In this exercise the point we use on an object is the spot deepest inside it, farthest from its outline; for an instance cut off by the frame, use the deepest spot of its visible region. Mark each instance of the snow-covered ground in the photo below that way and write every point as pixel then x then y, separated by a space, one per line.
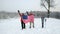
pixel 13 26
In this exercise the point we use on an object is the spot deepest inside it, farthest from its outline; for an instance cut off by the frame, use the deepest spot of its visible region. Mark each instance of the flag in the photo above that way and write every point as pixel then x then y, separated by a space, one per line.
pixel 29 19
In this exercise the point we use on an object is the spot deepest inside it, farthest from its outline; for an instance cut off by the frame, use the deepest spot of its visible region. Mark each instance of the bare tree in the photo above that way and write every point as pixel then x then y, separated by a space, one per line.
pixel 47 4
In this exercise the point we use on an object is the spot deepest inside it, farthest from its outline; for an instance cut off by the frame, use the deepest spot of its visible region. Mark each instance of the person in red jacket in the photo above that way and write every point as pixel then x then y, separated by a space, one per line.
pixel 31 18
pixel 22 23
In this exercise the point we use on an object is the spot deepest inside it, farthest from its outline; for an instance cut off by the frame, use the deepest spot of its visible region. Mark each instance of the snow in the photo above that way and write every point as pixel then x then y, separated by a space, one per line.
pixel 13 26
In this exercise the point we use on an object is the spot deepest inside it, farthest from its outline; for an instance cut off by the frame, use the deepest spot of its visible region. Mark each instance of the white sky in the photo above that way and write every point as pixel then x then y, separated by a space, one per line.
pixel 24 5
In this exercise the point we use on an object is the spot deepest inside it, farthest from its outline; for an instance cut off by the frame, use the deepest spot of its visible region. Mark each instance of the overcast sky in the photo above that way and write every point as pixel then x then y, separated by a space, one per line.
pixel 24 5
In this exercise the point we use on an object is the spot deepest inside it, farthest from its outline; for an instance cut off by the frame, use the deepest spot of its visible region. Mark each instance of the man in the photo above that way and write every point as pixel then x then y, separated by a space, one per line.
pixel 42 19
pixel 22 23
pixel 31 18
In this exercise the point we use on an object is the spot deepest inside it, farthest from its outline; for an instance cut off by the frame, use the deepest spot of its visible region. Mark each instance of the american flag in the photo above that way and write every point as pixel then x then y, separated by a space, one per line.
pixel 30 19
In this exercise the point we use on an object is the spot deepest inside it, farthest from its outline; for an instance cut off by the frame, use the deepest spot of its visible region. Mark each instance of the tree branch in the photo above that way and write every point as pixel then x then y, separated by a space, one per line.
pixel 45 6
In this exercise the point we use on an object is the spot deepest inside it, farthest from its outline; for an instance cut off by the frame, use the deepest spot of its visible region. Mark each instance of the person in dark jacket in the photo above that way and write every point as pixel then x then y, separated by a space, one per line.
pixel 22 23
pixel 42 19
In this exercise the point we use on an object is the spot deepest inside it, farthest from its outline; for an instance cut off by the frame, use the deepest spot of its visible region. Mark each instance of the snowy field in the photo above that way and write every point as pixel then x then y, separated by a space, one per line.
pixel 13 26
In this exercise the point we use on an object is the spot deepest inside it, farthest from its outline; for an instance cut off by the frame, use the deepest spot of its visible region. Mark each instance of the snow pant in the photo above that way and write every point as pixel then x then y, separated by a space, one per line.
pixel 31 23
pixel 23 25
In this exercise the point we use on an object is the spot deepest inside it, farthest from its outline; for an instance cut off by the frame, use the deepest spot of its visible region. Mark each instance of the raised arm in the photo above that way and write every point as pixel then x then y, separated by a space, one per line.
pixel 19 13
